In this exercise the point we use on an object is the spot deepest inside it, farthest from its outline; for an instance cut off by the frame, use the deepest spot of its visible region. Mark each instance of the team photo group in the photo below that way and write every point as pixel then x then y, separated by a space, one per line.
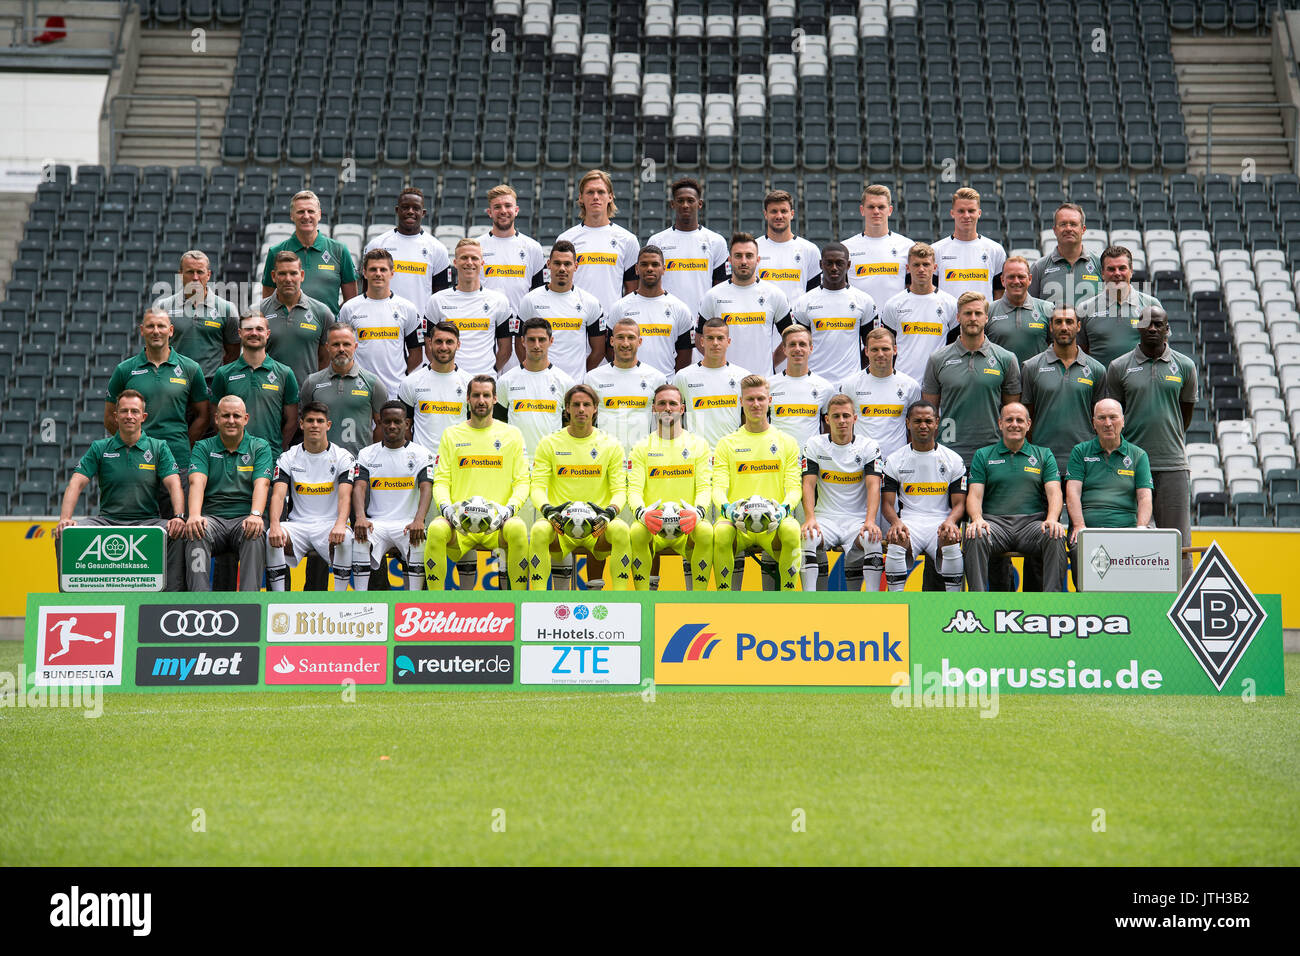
pixel 693 396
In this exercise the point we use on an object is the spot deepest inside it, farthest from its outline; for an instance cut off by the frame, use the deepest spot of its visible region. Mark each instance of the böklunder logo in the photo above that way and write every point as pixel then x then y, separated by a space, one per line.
pixel 454 622
pixel 326 665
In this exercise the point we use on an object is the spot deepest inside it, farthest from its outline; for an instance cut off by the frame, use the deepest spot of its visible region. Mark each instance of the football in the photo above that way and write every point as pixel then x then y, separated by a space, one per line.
pixel 476 515
pixel 758 515
pixel 672 514
pixel 578 519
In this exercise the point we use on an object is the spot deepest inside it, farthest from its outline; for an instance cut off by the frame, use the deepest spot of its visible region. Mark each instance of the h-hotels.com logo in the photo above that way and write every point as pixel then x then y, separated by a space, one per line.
pixel 1217 615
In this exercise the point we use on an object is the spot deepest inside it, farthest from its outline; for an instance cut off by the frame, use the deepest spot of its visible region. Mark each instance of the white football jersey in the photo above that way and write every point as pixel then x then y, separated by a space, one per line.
pixel 394 475
pixel 510 265
pixel 878 267
pixel 438 399
pixel 534 401
pixel 573 316
pixel 313 481
pixel 605 254
pixel 416 260
pixel 798 404
pixel 968 265
pixel 386 330
pixel 482 317
pixel 842 472
pixel 690 259
pixel 751 312
pixel 666 325
pixel 712 398
pixel 922 480
pixel 921 324
pixel 882 407
pixel 626 398
pixel 838 320
pixel 789 265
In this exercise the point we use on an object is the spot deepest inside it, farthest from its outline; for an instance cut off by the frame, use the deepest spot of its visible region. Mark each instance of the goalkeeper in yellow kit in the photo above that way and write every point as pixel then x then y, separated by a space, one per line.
pixel 482 457
pixel 670 465
pixel 756 459
pixel 579 464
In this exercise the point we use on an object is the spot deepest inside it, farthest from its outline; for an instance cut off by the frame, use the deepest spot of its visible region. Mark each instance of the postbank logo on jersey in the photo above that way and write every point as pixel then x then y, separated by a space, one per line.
pixel 441 408
pixel 672 471
pixel 780 275
pixel 313 487
pixel 480 461
pixel 880 411
pixel 402 483
pixel 966 275
pixel 597 259
pixel 504 272
pixel 705 402
pixel 877 269
pixel 534 405
pixel 472 323
pixel 379 333
pixel 835 324
pixel 565 324
pixel 921 489
pixel 410 268
pixel 625 401
pixel 579 471
pixel 795 411
pixel 765 467
pixel 745 318
pixel 649 329
pixel 841 477
pixel 687 265
pixel 922 328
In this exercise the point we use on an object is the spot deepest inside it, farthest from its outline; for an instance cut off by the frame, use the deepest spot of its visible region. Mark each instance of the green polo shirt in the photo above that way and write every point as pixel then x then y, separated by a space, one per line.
pixel 229 492
pixel 354 401
pixel 1056 280
pixel 266 390
pixel 1061 398
pixel 203 330
pixel 970 385
pixel 1108 328
pixel 1110 482
pixel 1020 329
pixel 326 265
pixel 1151 391
pixel 130 477
pixel 297 333
pixel 1014 480
pixel 169 390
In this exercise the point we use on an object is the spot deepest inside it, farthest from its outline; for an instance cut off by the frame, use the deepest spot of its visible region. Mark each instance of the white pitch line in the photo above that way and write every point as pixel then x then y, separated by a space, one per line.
pixel 470 698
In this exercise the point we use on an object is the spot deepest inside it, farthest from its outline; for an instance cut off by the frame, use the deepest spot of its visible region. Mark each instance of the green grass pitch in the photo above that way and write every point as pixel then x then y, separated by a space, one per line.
pixel 577 778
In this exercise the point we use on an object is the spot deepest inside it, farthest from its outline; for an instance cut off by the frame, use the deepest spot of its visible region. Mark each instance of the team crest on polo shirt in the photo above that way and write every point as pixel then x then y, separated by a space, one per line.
pixel 179 373
pixel 1033 460
pixel 1128 462
pixel 593 454
pixel 148 456
pixel 496 444
pixel 270 377
pixel 245 458
pixel 686 453
pixel 772 448
pixel 992 361
pixel 325 257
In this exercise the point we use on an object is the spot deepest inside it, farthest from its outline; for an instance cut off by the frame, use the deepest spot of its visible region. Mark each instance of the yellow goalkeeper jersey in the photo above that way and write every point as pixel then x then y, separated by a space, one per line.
pixel 579 469
pixel 765 463
pixel 675 469
pixel 481 461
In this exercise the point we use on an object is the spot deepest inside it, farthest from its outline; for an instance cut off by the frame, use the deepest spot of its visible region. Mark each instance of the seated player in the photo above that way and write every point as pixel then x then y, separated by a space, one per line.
pixel 579 464
pixel 316 476
pixel 924 499
pixel 483 458
pixel 841 496
pixel 756 461
pixel 393 485
pixel 670 465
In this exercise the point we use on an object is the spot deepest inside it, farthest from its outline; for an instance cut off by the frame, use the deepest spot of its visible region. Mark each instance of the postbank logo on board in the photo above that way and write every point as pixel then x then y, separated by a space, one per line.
pixel 772 645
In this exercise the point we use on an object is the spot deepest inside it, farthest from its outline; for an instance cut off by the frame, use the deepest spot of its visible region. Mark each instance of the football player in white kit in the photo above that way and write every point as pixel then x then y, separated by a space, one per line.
pixel 838 315
pixel 625 387
pixel 513 264
pixel 881 394
pixel 877 254
pixel 317 477
pixel 434 394
pixel 530 396
pixel 967 261
pixel 790 262
pixel 421 265
pixel 390 329
pixel 392 487
pixel 483 316
pixel 711 387
pixel 607 253
pixel 665 321
pixel 576 317
pixel 799 397
pixel 751 308
pixel 921 316
pixel 695 258
pixel 924 500
pixel 841 484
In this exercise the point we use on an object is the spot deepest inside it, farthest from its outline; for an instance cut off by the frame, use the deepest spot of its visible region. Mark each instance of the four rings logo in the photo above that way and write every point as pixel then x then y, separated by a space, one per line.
pixel 172 623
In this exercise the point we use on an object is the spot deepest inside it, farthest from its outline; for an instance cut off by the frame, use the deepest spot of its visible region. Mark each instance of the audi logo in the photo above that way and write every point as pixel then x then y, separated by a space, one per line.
pixel 199 623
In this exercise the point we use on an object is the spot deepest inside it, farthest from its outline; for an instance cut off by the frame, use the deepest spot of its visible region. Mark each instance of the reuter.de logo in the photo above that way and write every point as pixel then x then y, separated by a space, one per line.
pixel 454 622
pixel 1217 615
pixel 79 645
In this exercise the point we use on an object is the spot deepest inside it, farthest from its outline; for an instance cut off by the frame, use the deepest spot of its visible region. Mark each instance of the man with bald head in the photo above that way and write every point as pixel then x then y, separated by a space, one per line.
pixel 1013 503
pixel 230 478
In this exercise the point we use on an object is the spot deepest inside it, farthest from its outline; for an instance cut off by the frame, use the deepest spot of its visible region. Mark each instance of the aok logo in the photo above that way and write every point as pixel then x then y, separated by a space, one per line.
pixel 114 548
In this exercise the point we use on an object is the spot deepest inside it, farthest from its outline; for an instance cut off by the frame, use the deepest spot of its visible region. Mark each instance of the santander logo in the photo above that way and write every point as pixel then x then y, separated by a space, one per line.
pixel 455 622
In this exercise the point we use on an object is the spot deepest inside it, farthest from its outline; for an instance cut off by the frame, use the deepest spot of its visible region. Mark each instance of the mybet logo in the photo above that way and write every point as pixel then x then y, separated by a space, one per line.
pixel 115 547
pixel 75 909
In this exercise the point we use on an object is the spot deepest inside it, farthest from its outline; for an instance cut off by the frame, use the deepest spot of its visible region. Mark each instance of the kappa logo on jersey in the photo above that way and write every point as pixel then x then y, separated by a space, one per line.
pixel 504 272
pixel 1217 615
pixel 877 269
pixel 480 461
pixel 780 275
pixel 597 259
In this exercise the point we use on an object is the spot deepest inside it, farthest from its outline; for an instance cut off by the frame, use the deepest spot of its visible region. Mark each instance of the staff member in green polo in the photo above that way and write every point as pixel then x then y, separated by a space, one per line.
pixel 1108 323
pixel 329 271
pixel 1109 483
pixel 296 321
pixel 229 484
pixel 353 395
pixel 1157 386
pixel 1059 387
pixel 1018 321
pixel 132 470
pixel 1068 274
pixel 204 323
pixel 269 389
pixel 1013 503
